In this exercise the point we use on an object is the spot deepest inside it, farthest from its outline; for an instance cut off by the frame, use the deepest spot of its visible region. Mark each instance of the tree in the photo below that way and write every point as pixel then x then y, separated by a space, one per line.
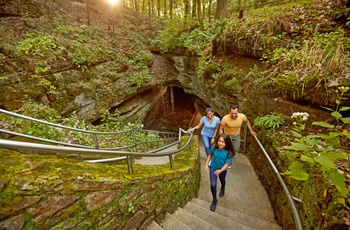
pixel 171 8
pixel 87 3
pixel 137 15
pixel 221 9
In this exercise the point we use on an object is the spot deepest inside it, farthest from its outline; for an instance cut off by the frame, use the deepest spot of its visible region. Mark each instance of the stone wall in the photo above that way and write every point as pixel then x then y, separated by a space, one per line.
pixel 55 191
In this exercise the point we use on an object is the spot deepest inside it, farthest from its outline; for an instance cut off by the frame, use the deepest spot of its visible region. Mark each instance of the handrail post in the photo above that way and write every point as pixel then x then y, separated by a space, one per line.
pixel 171 160
pixel 145 135
pixel 134 138
pixel 96 141
pixel 131 170
pixel 245 138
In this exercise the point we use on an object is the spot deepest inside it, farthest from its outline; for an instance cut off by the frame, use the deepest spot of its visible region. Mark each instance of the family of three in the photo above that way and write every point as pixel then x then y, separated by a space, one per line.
pixel 221 139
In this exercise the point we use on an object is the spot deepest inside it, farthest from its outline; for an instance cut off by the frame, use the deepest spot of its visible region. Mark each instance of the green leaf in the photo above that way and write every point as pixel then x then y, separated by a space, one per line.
pixel 298 147
pixel 336 114
pixel 327 108
pixel 344 108
pixel 307 159
pixel 333 156
pixel 346 120
pixel 297 135
pixel 311 141
pixel 296 171
pixel 323 124
pixel 346 133
pixel 325 162
pixel 334 142
pixel 339 182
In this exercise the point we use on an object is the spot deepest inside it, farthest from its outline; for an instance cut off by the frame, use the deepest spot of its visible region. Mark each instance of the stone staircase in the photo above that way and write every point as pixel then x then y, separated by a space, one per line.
pixel 244 206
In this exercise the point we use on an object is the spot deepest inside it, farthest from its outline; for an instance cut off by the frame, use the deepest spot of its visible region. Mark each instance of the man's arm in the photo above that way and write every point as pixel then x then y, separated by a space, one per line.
pixel 221 129
pixel 250 128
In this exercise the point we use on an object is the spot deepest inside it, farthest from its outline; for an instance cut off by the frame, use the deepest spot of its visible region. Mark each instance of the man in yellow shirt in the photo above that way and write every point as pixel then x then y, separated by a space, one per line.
pixel 231 124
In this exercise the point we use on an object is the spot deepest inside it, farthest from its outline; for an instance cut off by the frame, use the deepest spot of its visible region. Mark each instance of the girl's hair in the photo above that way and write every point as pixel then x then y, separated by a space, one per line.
pixel 208 110
pixel 228 144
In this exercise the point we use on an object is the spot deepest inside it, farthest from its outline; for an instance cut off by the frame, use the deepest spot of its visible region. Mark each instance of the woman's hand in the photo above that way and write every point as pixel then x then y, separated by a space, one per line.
pixel 206 168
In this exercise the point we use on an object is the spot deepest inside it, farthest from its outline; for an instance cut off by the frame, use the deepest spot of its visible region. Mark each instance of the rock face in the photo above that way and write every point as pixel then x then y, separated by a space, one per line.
pixel 100 69
pixel 47 191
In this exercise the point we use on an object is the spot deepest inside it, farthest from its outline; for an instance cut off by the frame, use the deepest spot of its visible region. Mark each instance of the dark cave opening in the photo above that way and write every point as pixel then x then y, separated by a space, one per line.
pixel 176 109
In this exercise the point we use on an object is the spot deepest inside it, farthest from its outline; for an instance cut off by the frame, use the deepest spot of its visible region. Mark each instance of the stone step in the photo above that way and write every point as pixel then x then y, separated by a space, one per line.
pixel 171 223
pixel 218 220
pixel 237 216
pixel 193 221
pixel 154 226
pixel 245 205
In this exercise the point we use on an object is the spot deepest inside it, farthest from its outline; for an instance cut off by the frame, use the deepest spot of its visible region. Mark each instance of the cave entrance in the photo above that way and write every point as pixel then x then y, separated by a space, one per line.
pixel 175 109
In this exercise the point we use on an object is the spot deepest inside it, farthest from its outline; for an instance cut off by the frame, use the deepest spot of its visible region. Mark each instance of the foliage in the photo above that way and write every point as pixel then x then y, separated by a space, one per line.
pixel 168 39
pixel 270 121
pixel 140 78
pixel 142 60
pixel 308 62
pixel 80 54
pixel 318 155
pixel 43 50
pixel 336 113
pixel 39 45
pixel 299 124
pixel 125 134
pixel 195 38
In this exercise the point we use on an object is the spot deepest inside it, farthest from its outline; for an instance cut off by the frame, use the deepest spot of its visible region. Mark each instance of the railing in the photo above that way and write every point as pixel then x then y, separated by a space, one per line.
pixel 168 138
pixel 165 137
pixel 290 198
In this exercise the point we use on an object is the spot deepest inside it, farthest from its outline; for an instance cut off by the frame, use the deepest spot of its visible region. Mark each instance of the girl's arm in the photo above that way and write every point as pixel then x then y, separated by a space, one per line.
pixel 206 167
pixel 217 172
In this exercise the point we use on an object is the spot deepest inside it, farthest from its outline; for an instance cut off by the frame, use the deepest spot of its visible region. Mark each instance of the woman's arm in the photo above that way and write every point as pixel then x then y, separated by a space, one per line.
pixel 200 124
pixel 216 133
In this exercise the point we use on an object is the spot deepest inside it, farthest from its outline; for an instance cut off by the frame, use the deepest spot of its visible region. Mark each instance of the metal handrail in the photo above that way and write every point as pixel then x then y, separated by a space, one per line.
pixel 290 198
pixel 80 149
pixel 94 133
pixel 19 145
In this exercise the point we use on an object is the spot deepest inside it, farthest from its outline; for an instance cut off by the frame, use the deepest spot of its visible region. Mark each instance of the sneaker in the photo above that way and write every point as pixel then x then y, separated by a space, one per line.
pixel 222 193
pixel 213 205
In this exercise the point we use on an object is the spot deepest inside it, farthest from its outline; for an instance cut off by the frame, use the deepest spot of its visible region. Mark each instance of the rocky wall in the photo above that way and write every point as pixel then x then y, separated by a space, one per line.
pixel 56 191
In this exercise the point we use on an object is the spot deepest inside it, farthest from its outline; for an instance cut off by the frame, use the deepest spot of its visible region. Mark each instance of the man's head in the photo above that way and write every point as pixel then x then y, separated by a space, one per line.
pixel 234 111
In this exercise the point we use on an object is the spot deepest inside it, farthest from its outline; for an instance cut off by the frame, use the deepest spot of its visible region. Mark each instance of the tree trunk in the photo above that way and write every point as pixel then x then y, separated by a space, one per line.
pixel 152 7
pixel 194 8
pixel 209 10
pixel 171 8
pixel 165 8
pixel 158 8
pixel 187 8
pixel 88 12
pixel 240 7
pixel 199 11
pixel 221 9
pixel 143 6
pixel 137 15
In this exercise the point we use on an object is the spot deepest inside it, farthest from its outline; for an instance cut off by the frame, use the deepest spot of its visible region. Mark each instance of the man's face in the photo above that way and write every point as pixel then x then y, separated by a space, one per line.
pixel 234 113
